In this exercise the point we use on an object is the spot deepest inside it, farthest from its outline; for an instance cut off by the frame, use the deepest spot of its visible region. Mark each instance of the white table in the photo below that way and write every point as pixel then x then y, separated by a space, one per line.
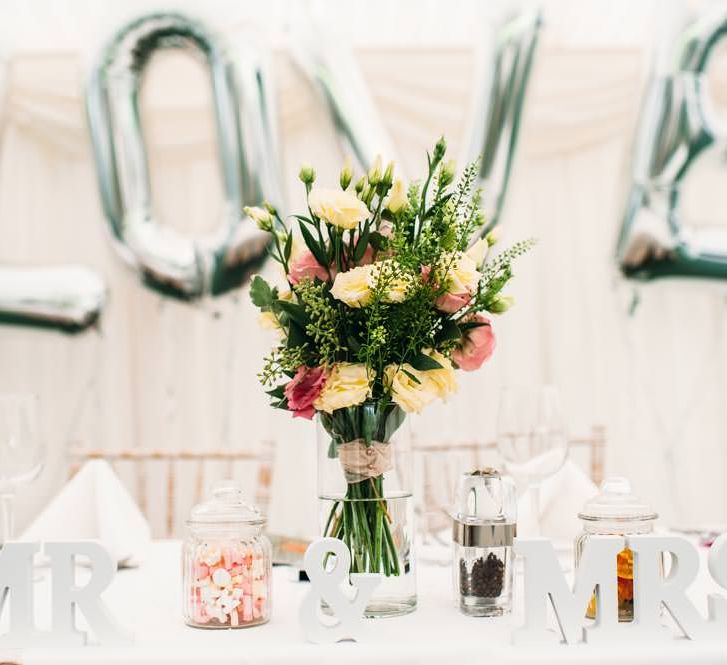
pixel 147 602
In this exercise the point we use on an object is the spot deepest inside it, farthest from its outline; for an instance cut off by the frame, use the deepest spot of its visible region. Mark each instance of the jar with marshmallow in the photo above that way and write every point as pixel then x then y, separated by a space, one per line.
pixel 227 563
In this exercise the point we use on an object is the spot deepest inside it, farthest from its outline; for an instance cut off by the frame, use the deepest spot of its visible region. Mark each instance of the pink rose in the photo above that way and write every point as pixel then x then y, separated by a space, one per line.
pixel 306 267
pixel 303 389
pixel 477 346
pixel 448 302
pixel 452 302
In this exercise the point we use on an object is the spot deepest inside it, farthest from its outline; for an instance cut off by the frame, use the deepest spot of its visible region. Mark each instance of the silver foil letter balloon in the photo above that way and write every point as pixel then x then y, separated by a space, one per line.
pixel 503 72
pixel 331 68
pixel 677 125
pixel 167 261
pixel 69 297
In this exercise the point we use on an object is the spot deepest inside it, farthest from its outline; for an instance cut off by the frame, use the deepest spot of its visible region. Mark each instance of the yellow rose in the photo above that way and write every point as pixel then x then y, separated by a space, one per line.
pixel 405 391
pixel 353 286
pixel 397 288
pixel 348 384
pixel 442 379
pixel 397 196
pixel 337 207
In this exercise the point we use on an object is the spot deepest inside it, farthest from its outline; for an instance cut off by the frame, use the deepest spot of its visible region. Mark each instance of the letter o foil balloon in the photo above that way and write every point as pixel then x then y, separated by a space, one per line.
pixel 677 125
pixel 167 261
pixel 69 298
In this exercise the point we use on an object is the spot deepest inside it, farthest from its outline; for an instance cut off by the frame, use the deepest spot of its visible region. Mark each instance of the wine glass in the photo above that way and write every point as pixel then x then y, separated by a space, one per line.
pixel 21 452
pixel 531 437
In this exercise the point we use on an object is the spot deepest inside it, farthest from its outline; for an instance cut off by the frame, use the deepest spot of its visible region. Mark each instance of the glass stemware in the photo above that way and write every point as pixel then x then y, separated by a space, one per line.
pixel 531 437
pixel 21 452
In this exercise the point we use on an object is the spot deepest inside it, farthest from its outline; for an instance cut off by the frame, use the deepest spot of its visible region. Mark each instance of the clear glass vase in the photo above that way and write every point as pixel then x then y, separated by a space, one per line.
pixel 364 488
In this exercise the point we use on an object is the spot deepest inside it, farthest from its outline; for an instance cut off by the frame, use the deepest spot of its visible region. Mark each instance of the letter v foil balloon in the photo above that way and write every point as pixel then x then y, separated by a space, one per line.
pixel 677 125
pixel 167 261
pixel 504 63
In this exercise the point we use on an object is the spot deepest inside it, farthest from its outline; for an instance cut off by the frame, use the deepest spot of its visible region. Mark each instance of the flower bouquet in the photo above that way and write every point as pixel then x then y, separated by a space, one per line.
pixel 387 298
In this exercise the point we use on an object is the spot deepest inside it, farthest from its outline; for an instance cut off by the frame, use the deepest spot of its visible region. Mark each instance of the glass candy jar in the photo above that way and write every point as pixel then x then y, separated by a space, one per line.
pixel 227 563
pixel 615 511
pixel 483 530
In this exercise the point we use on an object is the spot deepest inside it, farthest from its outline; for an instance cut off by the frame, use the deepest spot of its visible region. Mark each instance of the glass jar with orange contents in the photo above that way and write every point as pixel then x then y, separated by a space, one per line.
pixel 616 511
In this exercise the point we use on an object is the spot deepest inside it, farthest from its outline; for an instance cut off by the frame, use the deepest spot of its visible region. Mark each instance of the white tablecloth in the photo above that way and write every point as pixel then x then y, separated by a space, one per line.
pixel 147 602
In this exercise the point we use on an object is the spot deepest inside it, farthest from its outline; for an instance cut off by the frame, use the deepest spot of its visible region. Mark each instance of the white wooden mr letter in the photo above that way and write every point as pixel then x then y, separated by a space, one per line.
pixel 16 583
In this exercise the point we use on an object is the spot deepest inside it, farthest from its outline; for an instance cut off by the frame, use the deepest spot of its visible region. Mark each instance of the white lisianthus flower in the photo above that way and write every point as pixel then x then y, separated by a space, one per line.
pixel 443 379
pixel 348 384
pixel 342 209
pixel 463 276
pixel 353 286
pixel 397 288
pixel 478 251
pixel 268 321
pixel 411 396
pixel 398 198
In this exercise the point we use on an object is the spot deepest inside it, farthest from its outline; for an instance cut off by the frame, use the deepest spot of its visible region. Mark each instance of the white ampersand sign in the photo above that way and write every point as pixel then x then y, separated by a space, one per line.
pixel 331 585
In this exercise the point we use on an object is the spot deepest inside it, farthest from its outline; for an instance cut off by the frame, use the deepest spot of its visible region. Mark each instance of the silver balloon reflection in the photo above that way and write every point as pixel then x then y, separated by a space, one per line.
pixel 677 125
pixel 69 298
pixel 332 69
pixel 503 73
pixel 167 261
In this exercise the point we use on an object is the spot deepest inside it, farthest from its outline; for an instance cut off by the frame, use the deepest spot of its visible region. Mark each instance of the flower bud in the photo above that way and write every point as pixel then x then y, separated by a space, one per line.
pixel 439 149
pixel 493 236
pixel 501 304
pixel 446 173
pixel 388 178
pixel 269 207
pixel 346 174
pixel 360 184
pixel 375 171
pixel 306 174
pixel 397 197
pixel 260 216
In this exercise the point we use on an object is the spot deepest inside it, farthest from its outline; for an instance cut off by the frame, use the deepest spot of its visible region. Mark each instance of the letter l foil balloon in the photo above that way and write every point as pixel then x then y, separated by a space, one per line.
pixel 167 261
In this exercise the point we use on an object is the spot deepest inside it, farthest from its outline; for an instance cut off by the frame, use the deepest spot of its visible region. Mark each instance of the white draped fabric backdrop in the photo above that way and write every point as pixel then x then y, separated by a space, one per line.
pixel 160 373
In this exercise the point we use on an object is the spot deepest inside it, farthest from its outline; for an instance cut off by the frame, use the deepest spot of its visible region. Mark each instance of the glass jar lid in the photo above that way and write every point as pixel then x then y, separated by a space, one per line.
pixel 484 496
pixel 615 501
pixel 226 506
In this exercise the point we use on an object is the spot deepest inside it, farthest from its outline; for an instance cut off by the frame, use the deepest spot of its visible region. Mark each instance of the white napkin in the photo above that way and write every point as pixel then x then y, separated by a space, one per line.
pixel 94 505
pixel 562 496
